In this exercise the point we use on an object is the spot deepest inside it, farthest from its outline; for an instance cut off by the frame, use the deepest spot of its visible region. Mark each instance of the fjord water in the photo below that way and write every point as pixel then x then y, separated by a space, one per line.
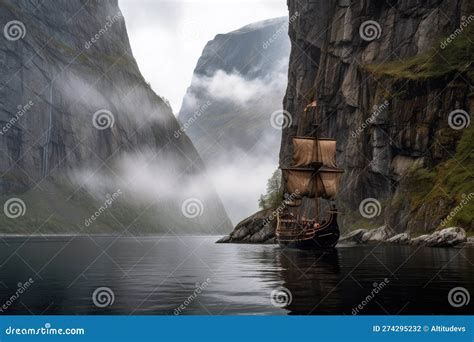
pixel 157 275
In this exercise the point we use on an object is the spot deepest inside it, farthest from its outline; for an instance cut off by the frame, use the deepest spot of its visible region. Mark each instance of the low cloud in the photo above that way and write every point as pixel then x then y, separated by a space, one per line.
pixel 240 180
pixel 236 88
pixel 147 176
pixel 233 87
pixel 240 163
pixel 132 102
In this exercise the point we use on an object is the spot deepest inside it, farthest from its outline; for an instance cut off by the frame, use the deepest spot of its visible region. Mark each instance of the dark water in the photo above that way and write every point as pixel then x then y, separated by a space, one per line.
pixel 156 275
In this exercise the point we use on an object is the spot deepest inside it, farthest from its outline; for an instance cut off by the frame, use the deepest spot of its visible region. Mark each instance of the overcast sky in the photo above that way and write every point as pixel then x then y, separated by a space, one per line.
pixel 167 36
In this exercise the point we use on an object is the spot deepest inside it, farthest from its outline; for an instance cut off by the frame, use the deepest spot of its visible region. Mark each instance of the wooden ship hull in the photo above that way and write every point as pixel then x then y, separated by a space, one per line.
pixel 313 175
pixel 291 234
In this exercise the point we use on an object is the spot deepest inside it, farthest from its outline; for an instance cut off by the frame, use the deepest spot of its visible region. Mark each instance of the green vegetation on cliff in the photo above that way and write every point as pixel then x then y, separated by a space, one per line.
pixel 274 195
pixel 457 56
pixel 450 182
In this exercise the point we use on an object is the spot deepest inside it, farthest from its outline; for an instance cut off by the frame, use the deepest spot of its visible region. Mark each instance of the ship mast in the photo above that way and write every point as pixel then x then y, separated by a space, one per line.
pixel 315 135
pixel 314 172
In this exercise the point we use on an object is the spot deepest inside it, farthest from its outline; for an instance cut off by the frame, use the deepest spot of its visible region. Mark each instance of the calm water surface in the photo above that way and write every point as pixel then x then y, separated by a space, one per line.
pixel 156 275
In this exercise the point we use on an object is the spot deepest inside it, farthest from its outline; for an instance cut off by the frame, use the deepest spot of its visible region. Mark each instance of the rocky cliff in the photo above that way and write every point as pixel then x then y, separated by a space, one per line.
pixel 78 122
pixel 393 81
pixel 239 81
pixel 385 88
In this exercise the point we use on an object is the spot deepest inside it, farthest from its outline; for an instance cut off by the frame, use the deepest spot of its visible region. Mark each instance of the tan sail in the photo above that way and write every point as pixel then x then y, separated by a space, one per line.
pixel 313 175
pixel 311 150
pixel 300 182
pixel 328 183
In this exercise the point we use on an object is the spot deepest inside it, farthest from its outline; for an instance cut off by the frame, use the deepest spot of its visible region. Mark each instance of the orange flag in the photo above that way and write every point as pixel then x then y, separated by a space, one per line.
pixel 312 104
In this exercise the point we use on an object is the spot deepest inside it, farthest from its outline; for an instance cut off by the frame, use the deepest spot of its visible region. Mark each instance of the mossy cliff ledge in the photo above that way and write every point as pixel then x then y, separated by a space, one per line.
pixel 387 100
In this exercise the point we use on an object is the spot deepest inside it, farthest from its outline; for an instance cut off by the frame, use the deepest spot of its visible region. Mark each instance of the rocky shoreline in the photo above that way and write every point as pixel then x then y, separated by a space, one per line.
pixel 448 237
pixel 260 229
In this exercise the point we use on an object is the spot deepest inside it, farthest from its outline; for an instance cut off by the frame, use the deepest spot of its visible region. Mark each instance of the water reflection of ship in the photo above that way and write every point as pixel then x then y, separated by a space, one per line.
pixel 312 278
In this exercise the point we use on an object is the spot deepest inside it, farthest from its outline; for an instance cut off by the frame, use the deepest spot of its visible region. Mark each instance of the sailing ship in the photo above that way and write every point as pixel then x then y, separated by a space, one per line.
pixel 313 176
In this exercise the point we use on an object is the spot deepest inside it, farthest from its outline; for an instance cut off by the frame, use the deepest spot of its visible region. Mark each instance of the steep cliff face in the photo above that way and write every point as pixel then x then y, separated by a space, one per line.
pixel 393 82
pixel 239 81
pixel 73 104
pixel 385 93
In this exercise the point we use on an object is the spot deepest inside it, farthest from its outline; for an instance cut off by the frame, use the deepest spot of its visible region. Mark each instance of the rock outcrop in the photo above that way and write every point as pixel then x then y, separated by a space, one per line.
pixel 377 235
pixel 448 237
pixel 353 236
pixel 402 238
pixel 258 228
pixel 72 98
